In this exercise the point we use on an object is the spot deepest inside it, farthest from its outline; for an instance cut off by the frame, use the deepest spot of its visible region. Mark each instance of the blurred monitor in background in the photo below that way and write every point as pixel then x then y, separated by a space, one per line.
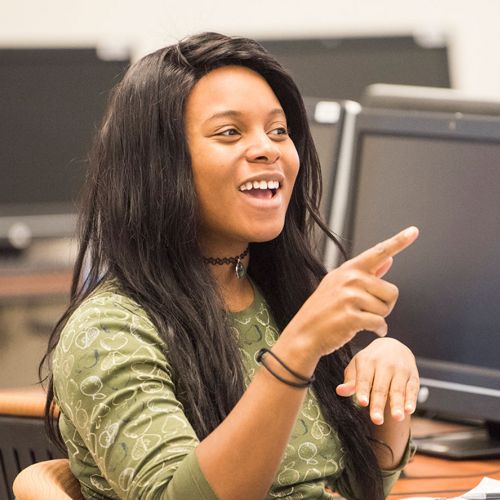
pixel 51 101
pixel 441 172
pixel 341 68
pixel 326 121
pixel 390 96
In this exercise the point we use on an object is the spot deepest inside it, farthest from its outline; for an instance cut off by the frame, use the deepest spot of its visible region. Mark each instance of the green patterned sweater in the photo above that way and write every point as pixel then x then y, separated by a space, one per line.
pixel 125 430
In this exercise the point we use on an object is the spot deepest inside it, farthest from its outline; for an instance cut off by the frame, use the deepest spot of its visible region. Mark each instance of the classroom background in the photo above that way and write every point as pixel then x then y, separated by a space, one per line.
pixel 432 155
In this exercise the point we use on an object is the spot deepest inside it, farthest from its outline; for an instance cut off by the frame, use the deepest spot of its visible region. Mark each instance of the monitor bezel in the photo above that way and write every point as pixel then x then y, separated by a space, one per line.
pixel 420 98
pixel 333 120
pixel 337 119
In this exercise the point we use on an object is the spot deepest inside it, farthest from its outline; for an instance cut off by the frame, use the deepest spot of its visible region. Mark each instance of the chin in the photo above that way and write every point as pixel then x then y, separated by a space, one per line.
pixel 266 235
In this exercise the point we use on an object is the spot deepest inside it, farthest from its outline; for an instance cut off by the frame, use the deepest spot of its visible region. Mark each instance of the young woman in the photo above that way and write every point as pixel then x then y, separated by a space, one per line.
pixel 205 353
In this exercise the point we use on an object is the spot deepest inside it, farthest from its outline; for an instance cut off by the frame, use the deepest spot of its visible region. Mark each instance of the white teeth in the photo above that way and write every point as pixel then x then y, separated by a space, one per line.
pixel 259 185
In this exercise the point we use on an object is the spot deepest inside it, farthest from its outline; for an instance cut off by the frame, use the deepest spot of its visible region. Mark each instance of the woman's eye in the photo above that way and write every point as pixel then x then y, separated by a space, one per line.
pixel 280 131
pixel 228 132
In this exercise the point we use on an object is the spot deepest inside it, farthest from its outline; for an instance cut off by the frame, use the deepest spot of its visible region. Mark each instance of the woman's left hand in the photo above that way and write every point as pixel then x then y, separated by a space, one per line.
pixel 383 373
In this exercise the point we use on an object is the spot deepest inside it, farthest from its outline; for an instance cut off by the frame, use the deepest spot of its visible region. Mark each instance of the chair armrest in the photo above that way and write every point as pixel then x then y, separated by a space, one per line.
pixel 50 479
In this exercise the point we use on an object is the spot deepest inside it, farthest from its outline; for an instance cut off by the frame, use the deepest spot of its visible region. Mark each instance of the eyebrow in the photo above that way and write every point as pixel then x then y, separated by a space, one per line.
pixel 230 113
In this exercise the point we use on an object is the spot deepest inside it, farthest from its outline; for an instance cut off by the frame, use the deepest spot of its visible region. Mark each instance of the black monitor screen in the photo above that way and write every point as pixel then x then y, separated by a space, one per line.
pixel 51 102
pixel 449 280
pixel 341 68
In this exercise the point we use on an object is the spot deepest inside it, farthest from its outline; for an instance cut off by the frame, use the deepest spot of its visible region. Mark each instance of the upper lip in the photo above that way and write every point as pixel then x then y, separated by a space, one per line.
pixel 265 176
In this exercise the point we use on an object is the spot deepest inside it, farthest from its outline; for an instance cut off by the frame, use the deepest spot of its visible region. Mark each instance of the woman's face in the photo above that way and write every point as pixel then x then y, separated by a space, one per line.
pixel 244 162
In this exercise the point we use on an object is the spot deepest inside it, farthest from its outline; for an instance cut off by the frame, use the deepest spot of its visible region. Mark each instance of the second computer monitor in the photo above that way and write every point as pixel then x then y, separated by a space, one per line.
pixel 440 172
pixel 342 67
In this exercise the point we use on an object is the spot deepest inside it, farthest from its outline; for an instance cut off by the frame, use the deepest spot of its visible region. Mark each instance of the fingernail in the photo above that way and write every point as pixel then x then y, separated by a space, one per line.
pixel 398 414
pixel 376 415
pixel 410 231
pixel 410 408
pixel 363 399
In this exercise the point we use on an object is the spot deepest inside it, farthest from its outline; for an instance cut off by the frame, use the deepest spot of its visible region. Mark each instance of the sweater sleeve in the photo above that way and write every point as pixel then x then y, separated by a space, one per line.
pixel 389 477
pixel 125 430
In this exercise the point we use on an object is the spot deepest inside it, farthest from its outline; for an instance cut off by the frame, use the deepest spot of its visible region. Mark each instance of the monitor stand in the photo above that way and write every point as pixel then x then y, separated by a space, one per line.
pixel 478 442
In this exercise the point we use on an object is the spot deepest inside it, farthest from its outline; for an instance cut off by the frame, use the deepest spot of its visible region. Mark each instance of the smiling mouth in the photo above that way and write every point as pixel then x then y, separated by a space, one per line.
pixel 262 190
pixel 262 194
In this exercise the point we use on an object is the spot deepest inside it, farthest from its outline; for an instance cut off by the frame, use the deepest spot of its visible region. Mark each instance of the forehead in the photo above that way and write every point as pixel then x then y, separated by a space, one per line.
pixel 230 88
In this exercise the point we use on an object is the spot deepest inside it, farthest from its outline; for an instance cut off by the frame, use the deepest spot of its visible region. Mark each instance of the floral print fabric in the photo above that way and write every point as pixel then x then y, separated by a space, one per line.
pixel 126 432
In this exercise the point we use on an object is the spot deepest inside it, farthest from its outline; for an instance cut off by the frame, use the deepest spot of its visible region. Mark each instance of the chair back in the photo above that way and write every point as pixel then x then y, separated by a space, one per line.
pixel 22 435
pixel 49 480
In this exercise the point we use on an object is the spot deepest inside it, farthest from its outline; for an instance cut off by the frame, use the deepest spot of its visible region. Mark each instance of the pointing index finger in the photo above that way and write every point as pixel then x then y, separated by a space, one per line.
pixel 371 259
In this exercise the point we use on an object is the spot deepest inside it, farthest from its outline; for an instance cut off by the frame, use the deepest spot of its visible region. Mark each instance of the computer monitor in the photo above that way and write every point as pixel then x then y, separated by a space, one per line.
pixel 51 102
pixel 440 172
pixel 327 119
pixel 342 67
pixel 390 96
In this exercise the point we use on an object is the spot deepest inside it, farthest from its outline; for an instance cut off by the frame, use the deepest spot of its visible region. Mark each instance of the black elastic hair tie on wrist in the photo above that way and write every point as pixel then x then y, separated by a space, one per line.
pixel 306 381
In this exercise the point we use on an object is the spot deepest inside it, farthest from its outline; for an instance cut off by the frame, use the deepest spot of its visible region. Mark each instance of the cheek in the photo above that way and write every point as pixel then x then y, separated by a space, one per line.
pixel 204 177
pixel 293 164
pixel 213 168
pixel 213 191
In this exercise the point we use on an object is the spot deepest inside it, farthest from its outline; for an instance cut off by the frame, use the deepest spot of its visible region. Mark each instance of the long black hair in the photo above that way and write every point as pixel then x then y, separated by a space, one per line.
pixel 139 225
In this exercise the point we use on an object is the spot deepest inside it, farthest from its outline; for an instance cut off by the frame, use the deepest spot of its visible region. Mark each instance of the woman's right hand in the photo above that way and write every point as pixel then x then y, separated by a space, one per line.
pixel 351 298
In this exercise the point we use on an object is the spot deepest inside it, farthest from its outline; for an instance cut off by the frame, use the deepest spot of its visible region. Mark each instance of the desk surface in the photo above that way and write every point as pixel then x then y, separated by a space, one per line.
pixel 430 476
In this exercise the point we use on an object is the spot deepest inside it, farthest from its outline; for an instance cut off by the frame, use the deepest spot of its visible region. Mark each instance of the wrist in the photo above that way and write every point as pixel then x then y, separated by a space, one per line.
pixel 294 378
pixel 297 351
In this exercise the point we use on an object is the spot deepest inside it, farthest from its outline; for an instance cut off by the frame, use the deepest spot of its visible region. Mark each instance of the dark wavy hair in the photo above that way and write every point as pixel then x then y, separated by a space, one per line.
pixel 139 225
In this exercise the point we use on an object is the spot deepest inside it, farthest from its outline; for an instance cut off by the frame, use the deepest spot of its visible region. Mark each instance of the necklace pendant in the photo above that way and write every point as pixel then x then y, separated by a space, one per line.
pixel 240 270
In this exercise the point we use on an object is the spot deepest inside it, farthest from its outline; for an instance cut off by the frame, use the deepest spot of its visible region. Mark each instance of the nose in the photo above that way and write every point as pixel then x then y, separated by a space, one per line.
pixel 263 150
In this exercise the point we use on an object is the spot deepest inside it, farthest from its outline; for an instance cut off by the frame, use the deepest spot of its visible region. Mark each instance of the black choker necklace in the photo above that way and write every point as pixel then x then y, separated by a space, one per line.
pixel 239 268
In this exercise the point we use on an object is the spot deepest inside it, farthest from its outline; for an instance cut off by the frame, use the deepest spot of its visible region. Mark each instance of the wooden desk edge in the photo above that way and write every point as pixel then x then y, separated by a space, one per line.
pixel 23 401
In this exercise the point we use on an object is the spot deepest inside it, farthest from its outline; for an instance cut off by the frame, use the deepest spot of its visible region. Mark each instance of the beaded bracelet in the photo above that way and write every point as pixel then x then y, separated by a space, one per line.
pixel 306 381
